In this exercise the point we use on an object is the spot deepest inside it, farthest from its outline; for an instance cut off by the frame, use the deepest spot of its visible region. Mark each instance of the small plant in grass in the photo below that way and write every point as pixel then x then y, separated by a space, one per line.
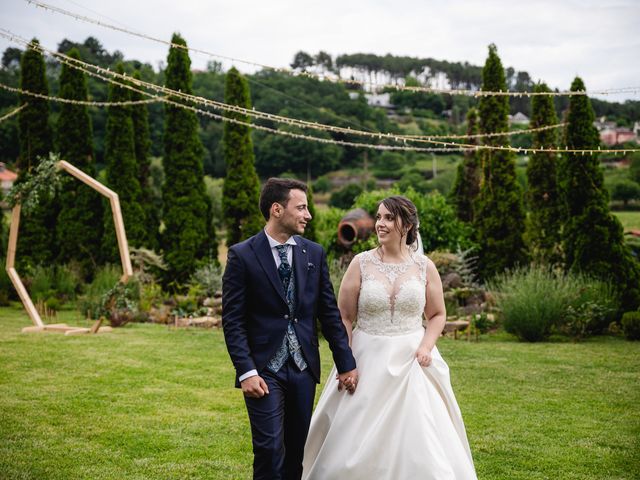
pixel 581 318
pixel 119 305
pixel 480 323
pixel 535 300
pixel 631 325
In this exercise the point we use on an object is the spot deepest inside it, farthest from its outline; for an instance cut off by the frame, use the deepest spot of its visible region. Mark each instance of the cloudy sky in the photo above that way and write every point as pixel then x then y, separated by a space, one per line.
pixel 554 40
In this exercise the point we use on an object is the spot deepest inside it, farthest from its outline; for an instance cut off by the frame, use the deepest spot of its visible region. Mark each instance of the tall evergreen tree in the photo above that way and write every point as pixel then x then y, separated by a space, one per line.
pixel 499 216
pixel 79 227
pixel 241 192
pixel 545 218
pixel 122 173
pixel 188 237
pixel 467 184
pixel 34 130
pixel 592 237
pixel 36 242
pixel 140 117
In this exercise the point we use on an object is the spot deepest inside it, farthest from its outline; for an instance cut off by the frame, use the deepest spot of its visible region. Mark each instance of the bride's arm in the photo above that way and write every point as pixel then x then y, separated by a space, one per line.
pixel 435 312
pixel 348 295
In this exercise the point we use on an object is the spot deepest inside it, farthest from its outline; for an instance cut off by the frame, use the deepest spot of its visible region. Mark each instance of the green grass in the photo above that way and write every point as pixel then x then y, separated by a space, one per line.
pixel 147 402
pixel 630 220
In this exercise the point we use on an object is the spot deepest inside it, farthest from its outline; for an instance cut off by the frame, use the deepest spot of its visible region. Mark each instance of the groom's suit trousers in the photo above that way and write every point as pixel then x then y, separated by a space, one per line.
pixel 278 439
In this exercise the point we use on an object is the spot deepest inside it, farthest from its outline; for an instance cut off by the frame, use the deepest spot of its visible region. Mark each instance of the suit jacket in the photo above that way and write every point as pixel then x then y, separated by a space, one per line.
pixel 255 314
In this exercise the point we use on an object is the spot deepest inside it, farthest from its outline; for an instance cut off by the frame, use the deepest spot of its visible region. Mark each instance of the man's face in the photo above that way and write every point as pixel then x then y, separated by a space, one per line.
pixel 294 217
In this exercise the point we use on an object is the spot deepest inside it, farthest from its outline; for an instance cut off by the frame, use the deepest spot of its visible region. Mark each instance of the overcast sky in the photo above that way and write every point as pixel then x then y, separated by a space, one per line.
pixel 554 40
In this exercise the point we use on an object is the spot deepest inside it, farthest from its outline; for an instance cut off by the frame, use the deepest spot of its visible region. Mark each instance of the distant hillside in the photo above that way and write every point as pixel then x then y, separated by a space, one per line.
pixel 299 97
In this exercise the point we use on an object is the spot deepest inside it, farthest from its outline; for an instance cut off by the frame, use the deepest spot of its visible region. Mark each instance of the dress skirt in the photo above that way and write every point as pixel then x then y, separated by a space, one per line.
pixel 402 422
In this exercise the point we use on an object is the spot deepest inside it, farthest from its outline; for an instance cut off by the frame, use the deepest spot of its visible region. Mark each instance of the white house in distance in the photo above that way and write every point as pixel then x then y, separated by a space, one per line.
pixel 518 119
pixel 382 100
pixel 7 177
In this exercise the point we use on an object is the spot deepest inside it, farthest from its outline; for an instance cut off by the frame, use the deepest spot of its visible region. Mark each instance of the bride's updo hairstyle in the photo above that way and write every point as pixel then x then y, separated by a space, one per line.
pixel 403 209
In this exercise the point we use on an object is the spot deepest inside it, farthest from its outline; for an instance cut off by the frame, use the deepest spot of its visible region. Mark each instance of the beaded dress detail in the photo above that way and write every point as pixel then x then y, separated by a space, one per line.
pixel 392 296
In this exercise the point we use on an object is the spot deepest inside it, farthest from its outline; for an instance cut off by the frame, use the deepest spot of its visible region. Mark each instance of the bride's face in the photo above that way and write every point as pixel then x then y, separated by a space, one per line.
pixel 388 227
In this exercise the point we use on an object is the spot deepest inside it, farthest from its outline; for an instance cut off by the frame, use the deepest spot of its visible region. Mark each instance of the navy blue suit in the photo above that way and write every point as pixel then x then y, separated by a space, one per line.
pixel 255 318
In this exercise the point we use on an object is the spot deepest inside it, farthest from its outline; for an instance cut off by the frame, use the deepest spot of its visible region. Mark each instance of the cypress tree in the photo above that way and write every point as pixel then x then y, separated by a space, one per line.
pixel 241 191
pixel 545 218
pixel 33 121
pixel 142 143
pixel 592 237
pixel 467 184
pixel 36 242
pixel 122 173
pixel 188 236
pixel 79 227
pixel 499 216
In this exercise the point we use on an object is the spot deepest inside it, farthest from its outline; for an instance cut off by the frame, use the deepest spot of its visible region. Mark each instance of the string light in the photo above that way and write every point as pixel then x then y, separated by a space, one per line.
pixel 78 102
pixel 372 134
pixel 12 113
pixel 335 79
pixel 444 146
pixel 487 135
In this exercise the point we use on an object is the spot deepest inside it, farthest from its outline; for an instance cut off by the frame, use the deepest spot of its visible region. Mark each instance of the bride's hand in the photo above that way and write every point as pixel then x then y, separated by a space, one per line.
pixel 423 355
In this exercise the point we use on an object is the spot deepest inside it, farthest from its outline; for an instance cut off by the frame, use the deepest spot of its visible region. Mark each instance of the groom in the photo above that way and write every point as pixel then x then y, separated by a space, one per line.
pixel 276 284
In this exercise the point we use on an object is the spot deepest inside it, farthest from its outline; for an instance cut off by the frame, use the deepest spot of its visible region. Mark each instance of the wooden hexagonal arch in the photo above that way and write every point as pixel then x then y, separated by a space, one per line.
pixel 123 247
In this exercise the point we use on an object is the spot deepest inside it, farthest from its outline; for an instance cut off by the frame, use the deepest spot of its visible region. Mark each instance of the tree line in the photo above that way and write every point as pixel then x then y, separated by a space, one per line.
pixel 569 225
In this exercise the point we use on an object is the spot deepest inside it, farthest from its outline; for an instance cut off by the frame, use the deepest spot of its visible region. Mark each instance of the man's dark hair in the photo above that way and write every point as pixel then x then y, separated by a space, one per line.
pixel 276 190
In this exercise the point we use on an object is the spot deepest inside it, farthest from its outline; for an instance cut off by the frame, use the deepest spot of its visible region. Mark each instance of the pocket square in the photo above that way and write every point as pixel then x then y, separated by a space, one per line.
pixel 310 266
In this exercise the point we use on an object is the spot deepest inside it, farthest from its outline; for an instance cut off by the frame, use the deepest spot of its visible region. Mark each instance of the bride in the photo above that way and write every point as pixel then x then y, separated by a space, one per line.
pixel 402 422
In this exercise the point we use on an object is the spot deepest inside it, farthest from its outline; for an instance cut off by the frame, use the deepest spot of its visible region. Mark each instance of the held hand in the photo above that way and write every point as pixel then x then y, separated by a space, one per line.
pixel 423 355
pixel 348 380
pixel 254 387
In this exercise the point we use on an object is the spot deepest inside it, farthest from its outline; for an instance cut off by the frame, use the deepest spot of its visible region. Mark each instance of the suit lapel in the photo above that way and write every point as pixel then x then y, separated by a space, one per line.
pixel 300 262
pixel 263 253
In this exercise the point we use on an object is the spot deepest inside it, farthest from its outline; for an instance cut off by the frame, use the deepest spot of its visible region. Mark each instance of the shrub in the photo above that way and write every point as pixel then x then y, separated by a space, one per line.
pixel 327 228
pixel 530 302
pixel 322 184
pixel 631 325
pixel 104 281
pixel 150 296
pixel 120 304
pixel 6 288
pixel 208 279
pixel 67 281
pixel 535 300
pixel 345 197
pixel 625 191
pixel 41 283
pixel 592 302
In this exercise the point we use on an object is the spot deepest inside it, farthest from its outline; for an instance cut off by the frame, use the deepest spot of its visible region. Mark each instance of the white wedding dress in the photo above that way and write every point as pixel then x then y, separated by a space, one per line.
pixel 403 421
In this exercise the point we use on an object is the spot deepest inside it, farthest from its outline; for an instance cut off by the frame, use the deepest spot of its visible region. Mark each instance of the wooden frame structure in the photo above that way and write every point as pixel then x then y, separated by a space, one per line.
pixel 127 271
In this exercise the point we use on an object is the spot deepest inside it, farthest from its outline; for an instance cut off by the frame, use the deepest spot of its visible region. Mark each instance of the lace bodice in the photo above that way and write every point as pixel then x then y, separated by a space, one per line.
pixel 392 296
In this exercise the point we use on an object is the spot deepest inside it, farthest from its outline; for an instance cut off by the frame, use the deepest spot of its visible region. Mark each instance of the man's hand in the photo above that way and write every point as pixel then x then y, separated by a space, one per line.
pixel 254 387
pixel 348 380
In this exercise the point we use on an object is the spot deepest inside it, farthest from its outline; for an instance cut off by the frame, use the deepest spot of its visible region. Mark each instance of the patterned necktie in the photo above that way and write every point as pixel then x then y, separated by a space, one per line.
pixel 284 270
pixel 290 344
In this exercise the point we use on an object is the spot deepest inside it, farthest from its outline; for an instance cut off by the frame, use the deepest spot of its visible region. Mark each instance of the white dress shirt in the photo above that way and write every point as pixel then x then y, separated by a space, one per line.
pixel 273 243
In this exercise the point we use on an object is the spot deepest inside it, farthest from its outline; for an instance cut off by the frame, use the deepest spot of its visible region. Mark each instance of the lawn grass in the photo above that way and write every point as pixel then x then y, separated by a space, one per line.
pixel 630 219
pixel 148 401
